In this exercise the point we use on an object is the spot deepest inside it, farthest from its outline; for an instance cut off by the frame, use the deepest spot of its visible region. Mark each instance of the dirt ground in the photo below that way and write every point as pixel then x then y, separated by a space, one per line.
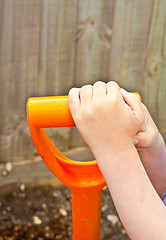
pixel 45 213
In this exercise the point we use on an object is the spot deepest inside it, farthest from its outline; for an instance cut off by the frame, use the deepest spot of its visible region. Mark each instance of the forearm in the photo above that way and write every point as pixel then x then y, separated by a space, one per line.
pixel 154 162
pixel 139 206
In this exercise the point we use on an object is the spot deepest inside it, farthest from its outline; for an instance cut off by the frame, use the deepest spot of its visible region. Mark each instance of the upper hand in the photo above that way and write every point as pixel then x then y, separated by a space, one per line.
pixel 103 118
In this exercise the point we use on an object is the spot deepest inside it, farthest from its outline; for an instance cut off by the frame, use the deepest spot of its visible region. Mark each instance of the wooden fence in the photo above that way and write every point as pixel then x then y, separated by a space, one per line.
pixel 48 46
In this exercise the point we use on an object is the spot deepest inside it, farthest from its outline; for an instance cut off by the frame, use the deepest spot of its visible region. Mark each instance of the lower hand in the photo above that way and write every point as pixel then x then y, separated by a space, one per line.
pixel 148 135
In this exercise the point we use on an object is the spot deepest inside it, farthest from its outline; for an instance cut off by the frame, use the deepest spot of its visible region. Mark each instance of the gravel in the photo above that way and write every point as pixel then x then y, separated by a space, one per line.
pixel 41 213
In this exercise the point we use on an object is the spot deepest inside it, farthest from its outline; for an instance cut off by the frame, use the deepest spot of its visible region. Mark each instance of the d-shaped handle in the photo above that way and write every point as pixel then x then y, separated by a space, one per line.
pixel 47 112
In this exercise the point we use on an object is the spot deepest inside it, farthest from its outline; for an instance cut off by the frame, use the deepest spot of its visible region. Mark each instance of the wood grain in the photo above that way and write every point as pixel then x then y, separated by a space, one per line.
pixel 48 46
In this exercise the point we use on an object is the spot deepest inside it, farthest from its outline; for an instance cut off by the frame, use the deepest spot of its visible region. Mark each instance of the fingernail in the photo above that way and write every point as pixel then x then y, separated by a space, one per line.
pixel 135 141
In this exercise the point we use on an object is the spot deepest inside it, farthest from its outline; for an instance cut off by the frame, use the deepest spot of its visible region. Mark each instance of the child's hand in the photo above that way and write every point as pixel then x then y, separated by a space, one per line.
pixel 148 134
pixel 103 118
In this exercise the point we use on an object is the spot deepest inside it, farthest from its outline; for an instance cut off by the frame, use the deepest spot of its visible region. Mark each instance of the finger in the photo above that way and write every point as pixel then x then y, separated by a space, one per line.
pixel 133 100
pixel 86 93
pixel 99 89
pixel 113 88
pixel 74 99
pixel 140 140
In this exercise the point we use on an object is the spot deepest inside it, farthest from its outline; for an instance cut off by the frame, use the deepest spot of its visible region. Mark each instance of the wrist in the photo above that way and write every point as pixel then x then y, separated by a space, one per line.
pixel 112 149
pixel 116 166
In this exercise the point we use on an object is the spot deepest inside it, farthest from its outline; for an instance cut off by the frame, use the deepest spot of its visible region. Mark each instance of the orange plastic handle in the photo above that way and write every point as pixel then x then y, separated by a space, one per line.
pixel 49 112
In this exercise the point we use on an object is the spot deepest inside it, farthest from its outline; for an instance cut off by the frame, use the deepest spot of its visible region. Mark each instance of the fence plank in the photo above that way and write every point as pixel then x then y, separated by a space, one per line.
pixel 57 48
pixel 57 56
pixel 155 74
pixel 93 38
pixel 19 69
pixel 129 39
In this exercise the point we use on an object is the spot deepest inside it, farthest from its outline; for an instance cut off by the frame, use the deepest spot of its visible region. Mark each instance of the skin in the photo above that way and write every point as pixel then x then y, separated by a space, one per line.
pixel 152 152
pixel 108 119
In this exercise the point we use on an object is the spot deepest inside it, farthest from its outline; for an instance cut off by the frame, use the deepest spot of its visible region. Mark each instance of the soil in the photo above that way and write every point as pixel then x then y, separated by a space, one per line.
pixel 42 213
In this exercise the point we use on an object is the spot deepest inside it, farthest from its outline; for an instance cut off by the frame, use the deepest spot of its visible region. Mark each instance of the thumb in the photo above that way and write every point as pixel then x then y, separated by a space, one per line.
pixel 140 140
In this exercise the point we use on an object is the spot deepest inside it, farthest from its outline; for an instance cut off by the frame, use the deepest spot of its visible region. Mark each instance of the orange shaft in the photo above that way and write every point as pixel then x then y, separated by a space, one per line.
pixel 86 215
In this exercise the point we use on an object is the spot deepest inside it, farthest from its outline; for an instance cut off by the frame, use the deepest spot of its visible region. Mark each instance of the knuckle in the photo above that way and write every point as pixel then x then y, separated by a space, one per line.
pixel 113 98
pixel 113 83
pixel 136 97
pixel 72 90
pixel 82 89
pixel 98 83
pixel 85 87
pixel 72 94
pixel 89 113
pixel 97 103
pixel 144 108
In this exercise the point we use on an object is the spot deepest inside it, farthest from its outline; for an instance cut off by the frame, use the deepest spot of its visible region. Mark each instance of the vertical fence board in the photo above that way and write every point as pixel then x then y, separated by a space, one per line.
pixel 57 49
pixel 155 74
pixel 93 38
pixel 57 56
pixel 5 72
pixel 19 70
pixel 129 39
